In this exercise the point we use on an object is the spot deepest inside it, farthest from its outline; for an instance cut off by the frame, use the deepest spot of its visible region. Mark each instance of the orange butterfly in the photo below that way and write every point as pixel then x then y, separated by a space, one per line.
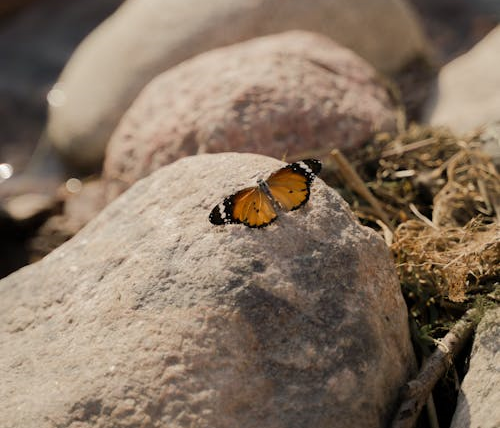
pixel 286 189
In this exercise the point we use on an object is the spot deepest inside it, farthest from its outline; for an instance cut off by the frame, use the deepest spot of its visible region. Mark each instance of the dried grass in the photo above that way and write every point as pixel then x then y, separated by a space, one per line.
pixel 442 195
pixel 449 261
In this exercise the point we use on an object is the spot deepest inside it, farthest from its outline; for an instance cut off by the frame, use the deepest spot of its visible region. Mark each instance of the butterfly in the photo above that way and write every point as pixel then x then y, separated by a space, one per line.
pixel 286 189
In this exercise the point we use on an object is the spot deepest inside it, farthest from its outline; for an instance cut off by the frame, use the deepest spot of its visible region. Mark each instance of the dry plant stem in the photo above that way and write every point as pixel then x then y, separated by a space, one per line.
pixel 416 392
pixel 354 181
pixel 388 235
pixel 422 217
pixel 431 412
pixel 408 147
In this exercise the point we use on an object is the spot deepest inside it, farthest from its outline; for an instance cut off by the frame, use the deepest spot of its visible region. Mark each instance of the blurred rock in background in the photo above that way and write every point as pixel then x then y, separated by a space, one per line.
pixel 143 39
pixel 467 92
pixel 295 94
pixel 36 40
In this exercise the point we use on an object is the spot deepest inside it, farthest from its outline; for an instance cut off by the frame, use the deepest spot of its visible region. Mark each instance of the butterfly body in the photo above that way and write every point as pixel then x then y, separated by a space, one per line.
pixel 287 189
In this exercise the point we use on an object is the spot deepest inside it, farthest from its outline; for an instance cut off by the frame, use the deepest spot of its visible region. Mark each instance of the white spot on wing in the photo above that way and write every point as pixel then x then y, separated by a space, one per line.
pixel 305 167
pixel 222 210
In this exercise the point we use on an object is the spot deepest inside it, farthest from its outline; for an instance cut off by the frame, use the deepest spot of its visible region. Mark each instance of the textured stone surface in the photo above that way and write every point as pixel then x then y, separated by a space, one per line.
pixel 478 402
pixel 153 317
pixel 466 95
pixel 79 208
pixel 144 38
pixel 278 95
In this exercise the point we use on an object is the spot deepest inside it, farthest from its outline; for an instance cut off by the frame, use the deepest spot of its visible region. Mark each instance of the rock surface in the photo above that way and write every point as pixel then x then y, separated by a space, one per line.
pixel 144 38
pixel 153 317
pixel 285 94
pixel 480 392
pixel 79 208
pixel 466 95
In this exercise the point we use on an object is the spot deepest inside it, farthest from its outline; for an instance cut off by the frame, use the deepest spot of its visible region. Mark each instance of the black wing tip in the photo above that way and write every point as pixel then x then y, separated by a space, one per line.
pixel 215 217
pixel 314 164
pixel 309 167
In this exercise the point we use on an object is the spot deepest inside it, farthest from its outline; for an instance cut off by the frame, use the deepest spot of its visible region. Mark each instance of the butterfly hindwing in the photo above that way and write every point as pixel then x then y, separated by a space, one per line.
pixel 290 186
pixel 249 206
pixel 255 210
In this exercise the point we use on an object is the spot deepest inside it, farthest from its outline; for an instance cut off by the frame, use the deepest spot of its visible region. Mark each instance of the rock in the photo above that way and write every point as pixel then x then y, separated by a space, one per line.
pixel 480 391
pixel 79 208
pixel 153 317
pixel 35 43
pixel 490 140
pixel 466 94
pixel 25 208
pixel 145 38
pixel 285 94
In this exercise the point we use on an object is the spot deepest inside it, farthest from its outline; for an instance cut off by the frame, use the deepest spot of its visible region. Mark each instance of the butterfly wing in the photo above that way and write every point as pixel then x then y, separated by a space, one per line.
pixel 249 206
pixel 290 186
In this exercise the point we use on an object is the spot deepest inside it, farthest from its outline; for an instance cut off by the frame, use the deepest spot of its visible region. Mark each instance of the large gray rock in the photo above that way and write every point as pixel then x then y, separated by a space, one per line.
pixel 153 317
pixel 286 94
pixel 144 38
pixel 467 94
pixel 478 402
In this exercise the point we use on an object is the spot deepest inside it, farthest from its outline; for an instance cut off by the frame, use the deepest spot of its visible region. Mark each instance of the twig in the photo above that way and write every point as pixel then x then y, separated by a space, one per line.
pixel 356 183
pixel 431 412
pixel 439 170
pixel 416 392
pixel 422 217
pixel 408 147
pixel 388 235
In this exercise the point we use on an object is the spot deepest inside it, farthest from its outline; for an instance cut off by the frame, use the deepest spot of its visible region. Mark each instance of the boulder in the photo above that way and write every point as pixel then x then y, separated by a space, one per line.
pixel 285 94
pixel 151 316
pixel 34 46
pixel 466 93
pixel 480 391
pixel 144 38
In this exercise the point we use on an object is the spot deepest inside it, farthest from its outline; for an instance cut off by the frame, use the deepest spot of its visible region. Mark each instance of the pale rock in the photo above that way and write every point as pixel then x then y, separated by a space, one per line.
pixel 285 94
pixel 466 95
pixel 479 398
pixel 144 38
pixel 490 139
pixel 35 44
pixel 24 208
pixel 153 317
